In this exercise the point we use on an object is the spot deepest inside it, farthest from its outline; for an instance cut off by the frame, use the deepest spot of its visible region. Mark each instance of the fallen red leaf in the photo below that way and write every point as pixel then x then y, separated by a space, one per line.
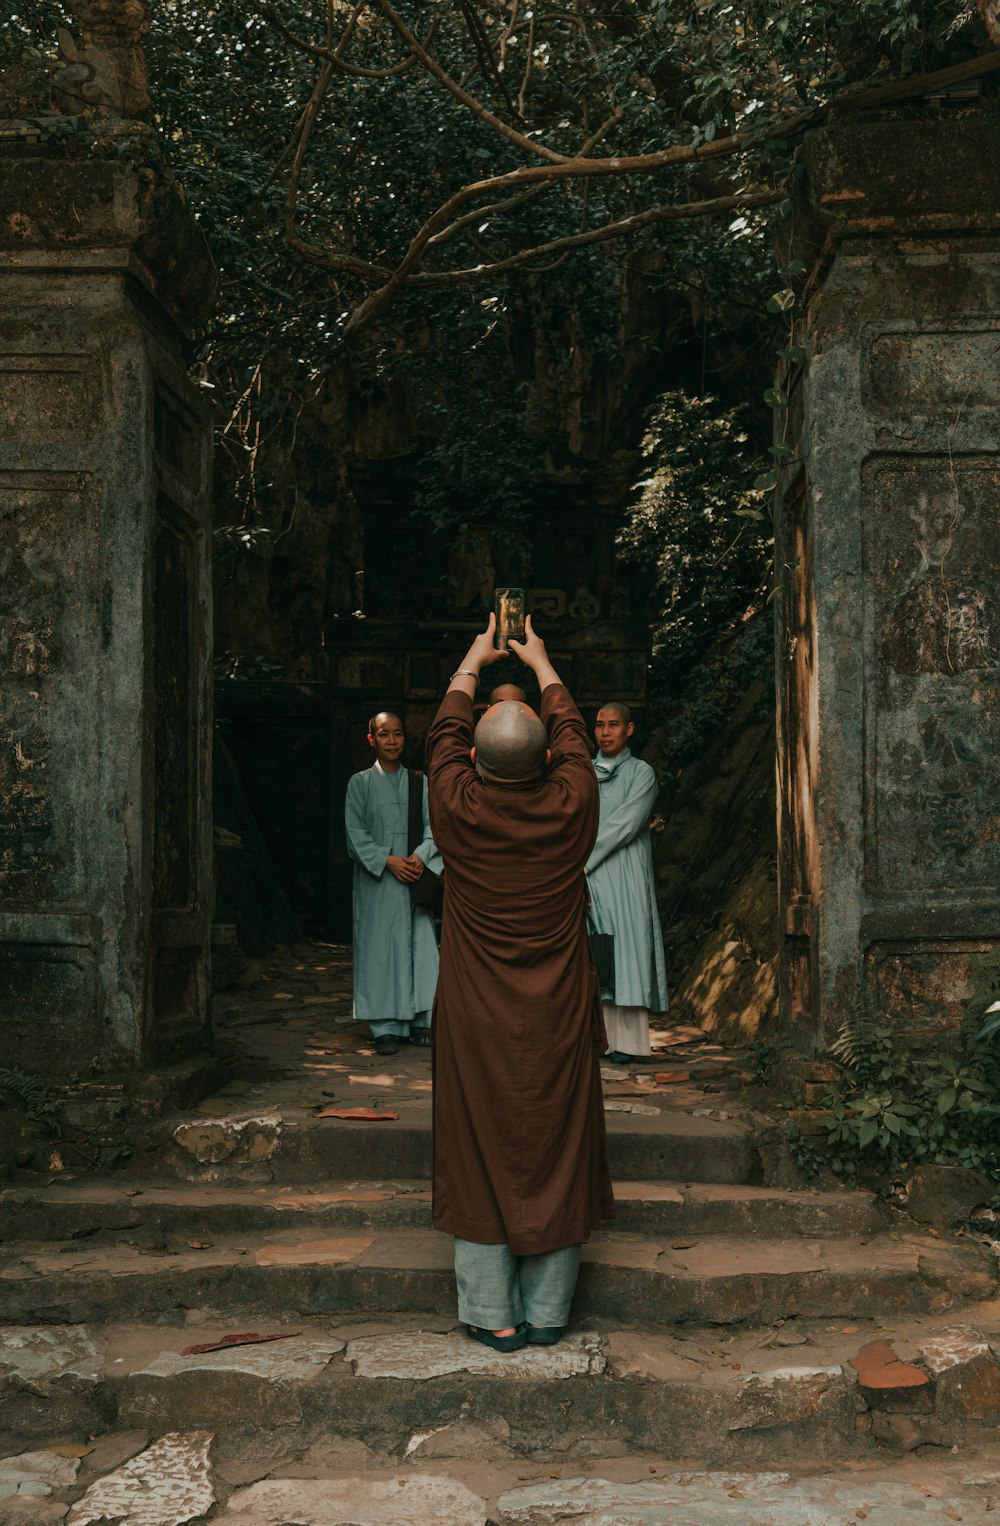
pixel 367 1113
pixel 245 1338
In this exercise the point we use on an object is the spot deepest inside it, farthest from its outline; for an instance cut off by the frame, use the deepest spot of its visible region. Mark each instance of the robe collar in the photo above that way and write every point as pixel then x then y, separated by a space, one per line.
pixel 606 768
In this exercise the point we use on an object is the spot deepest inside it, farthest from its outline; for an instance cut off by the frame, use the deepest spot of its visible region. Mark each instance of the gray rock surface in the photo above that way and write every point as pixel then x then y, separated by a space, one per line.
pixel 36 1473
pixel 402 1500
pixel 433 1356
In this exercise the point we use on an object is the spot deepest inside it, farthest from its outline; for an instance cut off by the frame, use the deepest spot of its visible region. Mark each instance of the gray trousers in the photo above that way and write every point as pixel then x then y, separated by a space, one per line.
pixel 398 1027
pixel 497 1290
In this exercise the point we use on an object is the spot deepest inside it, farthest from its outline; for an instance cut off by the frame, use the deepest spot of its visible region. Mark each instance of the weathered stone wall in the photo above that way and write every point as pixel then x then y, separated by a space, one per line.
pixel 105 832
pixel 888 630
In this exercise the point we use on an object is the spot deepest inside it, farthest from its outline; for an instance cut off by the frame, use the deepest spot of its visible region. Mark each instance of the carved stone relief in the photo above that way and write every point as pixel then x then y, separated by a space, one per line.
pixel 48 571
pixel 48 397
pixel 932 373
pixel 104 72
pixel 932 563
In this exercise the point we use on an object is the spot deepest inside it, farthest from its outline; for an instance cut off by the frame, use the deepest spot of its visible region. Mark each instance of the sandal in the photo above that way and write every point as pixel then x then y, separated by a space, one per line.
pixel 421 1037
pixel 543 1335
pixel 498 1342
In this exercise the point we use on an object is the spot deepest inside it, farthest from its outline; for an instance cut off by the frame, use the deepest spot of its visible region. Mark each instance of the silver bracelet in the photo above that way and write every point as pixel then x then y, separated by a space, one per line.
pixel 463 673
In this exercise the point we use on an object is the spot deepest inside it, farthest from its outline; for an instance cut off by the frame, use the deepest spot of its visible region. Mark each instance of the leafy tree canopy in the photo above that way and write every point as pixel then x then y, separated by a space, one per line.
pixel 409 191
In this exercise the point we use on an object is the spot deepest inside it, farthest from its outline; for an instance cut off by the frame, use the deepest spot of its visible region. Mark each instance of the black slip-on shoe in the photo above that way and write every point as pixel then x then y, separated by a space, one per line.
pixel 543 1335
pixel 498 1342
pixel 386 1045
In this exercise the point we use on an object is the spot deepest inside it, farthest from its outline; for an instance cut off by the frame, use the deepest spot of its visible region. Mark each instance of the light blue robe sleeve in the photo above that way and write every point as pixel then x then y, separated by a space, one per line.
pixel 427 849
pixel 361 845
pixel 628 820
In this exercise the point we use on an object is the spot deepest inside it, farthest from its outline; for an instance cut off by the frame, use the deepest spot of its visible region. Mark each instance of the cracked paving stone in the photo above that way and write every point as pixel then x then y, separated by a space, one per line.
pixel 786 1395
pixel 413 1500
pixel 40 1354
pixel 301 1358
pixel 169 1484
pixel 645 1356
pixel 434 1356
pixel 720 1499
pixel 36 1473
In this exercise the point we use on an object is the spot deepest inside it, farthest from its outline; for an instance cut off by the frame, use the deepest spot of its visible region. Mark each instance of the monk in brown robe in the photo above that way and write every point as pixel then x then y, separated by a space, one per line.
pixel 520 1154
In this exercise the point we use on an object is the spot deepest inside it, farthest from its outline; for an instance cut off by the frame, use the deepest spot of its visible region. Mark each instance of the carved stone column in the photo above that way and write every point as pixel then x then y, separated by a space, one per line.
pixel 105 834
pixel 889 550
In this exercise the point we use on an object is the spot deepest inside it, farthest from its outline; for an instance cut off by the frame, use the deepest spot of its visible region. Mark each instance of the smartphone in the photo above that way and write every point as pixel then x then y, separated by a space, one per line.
pixel 509 604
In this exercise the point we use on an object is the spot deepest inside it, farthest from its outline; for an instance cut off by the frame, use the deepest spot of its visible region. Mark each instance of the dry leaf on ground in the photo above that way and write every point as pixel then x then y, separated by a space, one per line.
pixel 367 1113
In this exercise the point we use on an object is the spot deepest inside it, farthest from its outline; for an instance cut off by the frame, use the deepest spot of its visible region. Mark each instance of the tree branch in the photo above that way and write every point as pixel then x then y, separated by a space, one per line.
pixel 309 252
pixel 583 167
pixel 469 101
pixel 491 209
pixel 671 212
pixel 334 56
pixel 484 53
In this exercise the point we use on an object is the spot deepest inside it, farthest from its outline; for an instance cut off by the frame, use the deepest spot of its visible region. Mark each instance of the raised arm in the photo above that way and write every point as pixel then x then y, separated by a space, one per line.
pixel 534 656
pixel 482 652
pixel 629 820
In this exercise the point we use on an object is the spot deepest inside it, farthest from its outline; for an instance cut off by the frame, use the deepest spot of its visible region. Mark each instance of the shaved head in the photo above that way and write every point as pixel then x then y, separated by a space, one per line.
pixel 382 715
pixel 511 742
pixel 613 728
pixel 619 709
pixel 507 691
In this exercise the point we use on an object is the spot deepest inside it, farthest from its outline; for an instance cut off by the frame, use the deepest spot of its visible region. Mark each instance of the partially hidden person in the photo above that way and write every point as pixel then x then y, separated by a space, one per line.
pixel 520 1154
pixel 395 953
pixel 623 889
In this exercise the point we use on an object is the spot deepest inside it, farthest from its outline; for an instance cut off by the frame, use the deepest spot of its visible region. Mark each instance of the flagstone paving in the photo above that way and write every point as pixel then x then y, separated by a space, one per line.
pixel 723 1321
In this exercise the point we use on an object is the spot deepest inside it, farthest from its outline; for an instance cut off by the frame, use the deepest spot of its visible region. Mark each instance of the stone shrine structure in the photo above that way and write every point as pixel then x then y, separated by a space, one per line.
pixel 105 709
pixel 888 651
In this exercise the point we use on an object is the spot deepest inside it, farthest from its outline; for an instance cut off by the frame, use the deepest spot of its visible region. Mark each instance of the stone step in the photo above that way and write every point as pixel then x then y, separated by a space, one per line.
pixel 297 1149
pixel 337 1482
pixel 629 1277
pixel 415 1390
pixel 91 1210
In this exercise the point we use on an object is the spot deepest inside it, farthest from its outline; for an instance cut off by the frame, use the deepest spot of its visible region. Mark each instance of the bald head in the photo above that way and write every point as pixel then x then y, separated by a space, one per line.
pixel 613 728
pixel 507 691
pixel 511 742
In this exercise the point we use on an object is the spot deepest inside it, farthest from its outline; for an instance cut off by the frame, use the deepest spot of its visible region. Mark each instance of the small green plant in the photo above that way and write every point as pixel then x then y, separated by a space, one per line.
pixel 33 1096
pixel 803 1151
pixel 898 1106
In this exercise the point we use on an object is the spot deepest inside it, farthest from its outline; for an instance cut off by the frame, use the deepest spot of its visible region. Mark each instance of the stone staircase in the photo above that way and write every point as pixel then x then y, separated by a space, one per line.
pixel 721 1323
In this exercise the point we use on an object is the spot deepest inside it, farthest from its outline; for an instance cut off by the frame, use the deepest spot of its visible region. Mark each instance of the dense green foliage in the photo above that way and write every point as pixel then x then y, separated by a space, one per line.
pixel 900 1105
pixel 698 529
pixel 634 77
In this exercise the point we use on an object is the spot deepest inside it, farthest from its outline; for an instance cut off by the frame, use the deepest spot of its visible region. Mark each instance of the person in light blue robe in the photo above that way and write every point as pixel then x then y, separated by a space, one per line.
pixel 395 955
pixel 623 890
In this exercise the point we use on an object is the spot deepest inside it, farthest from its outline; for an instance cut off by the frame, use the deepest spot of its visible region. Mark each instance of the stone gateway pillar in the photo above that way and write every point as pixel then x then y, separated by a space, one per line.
pixel 105 832
pixel 888 551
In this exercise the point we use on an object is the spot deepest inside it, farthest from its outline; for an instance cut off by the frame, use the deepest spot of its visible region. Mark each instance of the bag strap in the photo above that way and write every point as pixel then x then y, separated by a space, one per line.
pixel 415 812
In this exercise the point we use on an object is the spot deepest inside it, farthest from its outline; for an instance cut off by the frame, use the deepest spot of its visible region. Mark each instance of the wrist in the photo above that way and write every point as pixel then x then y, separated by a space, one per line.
pixel 466 670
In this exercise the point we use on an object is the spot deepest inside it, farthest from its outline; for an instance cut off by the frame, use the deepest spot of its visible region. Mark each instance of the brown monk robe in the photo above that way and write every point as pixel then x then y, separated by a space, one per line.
pixel 520 1152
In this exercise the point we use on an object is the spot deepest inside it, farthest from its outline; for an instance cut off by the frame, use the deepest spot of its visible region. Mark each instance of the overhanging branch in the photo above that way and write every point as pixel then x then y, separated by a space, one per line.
pixel 585 168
